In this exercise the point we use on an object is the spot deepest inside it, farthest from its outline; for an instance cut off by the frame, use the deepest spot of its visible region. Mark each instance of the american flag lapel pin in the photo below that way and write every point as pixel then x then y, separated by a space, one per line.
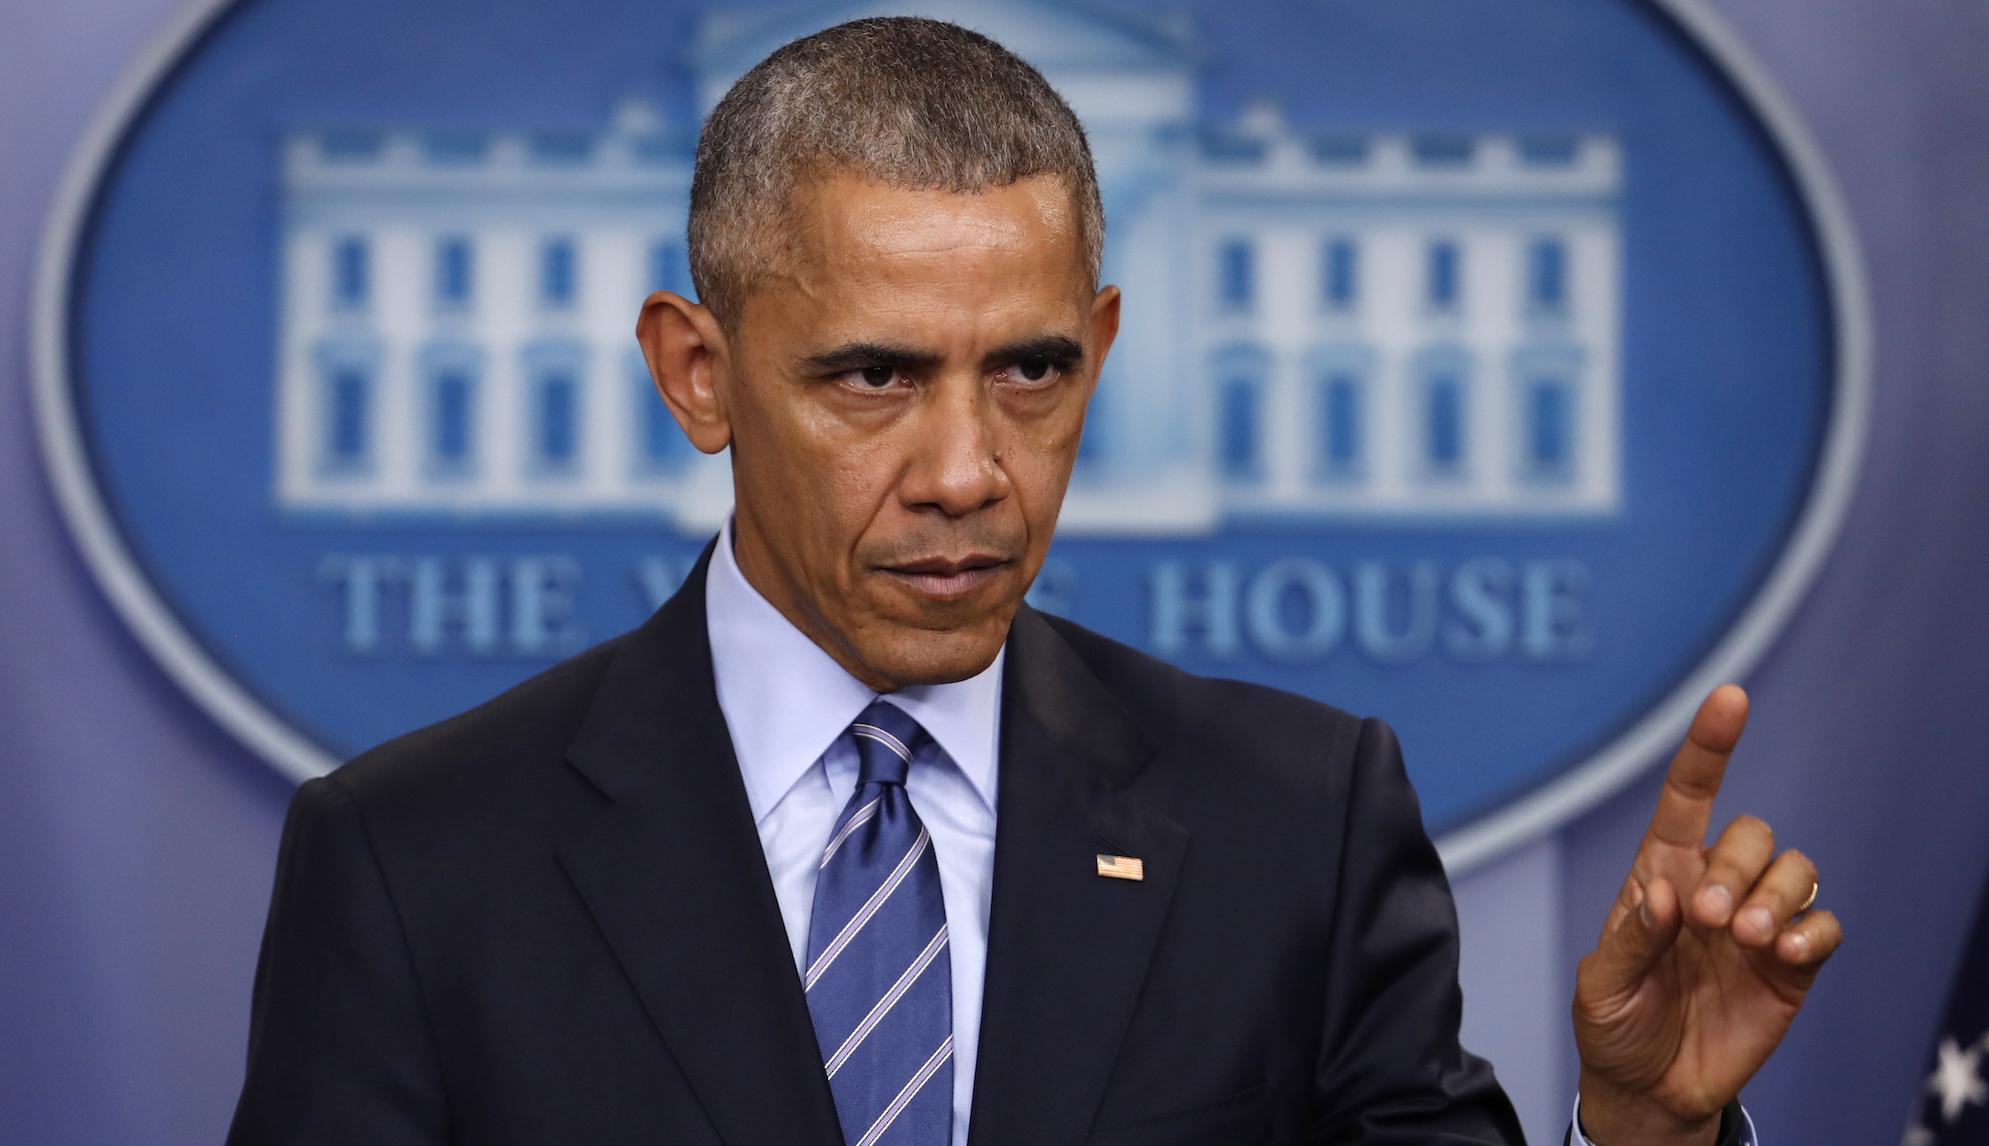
pixel 1122 867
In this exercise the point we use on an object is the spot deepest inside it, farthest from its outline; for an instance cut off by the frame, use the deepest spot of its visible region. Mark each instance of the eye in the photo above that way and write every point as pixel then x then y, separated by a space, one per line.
pixel 1033 371
pixel 872 377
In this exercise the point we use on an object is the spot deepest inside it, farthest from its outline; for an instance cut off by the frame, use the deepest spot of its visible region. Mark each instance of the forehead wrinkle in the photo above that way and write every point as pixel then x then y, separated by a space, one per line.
pixel 966 317
pixel 889 252
pixel 916 285
pixel 913 220
pixel 962 271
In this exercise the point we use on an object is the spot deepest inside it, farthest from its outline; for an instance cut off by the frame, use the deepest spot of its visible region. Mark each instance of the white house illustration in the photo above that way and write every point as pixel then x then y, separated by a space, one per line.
pixel 1317 323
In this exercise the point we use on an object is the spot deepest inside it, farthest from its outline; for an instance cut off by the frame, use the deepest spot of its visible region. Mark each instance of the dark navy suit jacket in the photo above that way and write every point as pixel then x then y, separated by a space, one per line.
pixel 549 921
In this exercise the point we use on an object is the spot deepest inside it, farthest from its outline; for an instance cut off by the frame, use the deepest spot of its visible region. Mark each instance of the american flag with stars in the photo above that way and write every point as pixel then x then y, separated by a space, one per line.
pixel 1953 1107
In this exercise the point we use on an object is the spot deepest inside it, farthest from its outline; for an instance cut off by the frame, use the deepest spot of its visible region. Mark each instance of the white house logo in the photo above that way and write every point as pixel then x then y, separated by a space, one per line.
pixel 456 336
pixel 1503 382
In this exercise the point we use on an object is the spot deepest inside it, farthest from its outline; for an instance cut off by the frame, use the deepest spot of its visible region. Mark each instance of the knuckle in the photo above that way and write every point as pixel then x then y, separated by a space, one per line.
pixel 1586 970
pixel 1724 873
pixel 1823 933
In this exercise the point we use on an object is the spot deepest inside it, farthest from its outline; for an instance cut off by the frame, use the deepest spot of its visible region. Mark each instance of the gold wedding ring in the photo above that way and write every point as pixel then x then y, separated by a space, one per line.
pixel 1811 898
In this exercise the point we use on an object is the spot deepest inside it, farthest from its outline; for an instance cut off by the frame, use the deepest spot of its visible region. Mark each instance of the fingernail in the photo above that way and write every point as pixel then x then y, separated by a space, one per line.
pixel 1758 920
pixel 1799 943
pixel 1716 901
pixel 1644 910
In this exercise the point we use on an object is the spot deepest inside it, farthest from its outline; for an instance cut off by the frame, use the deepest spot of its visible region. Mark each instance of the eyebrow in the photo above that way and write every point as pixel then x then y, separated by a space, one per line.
pixel 863 355
pixel 1048 347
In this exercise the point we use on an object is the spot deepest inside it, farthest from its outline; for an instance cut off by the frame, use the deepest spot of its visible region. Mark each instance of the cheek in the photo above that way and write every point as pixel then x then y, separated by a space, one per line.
pixel 802 449
pixel 848 495
pixel 1046 440
pixel 1038 460
pixel 836 482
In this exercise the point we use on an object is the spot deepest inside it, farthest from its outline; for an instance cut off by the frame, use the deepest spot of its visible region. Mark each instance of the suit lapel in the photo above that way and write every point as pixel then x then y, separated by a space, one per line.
pixel 1067 949
pixel 673 873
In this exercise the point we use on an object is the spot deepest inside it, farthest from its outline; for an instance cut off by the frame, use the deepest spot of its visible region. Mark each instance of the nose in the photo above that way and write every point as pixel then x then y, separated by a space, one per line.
pixel 955 466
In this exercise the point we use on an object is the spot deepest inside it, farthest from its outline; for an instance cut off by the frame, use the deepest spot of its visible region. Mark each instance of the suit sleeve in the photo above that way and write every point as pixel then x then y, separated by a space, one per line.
pixel 340 1047
pixel 1391 1071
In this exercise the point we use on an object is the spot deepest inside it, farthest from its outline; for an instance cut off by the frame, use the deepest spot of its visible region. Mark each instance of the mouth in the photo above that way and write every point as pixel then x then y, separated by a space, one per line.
pixel 947 578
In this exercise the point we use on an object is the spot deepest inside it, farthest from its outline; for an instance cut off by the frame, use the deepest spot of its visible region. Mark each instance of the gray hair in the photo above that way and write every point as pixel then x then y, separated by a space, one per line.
pixel 904 100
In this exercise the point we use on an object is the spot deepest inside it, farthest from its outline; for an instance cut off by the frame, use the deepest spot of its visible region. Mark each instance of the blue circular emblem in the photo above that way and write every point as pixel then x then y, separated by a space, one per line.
pixel 1498 369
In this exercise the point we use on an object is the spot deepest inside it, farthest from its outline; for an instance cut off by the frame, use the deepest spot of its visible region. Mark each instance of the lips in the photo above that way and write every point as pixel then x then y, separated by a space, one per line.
pixel 947 578
pixel 947 566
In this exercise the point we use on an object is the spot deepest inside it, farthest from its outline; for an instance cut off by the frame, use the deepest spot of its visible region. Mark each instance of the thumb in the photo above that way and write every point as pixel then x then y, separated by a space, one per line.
pixel 1627 953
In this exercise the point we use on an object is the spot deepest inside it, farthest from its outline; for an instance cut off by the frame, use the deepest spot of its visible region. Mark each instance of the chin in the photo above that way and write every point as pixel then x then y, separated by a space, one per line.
pixel 916 656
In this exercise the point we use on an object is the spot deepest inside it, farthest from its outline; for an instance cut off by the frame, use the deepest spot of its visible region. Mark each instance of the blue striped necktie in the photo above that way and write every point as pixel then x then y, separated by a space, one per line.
pixel 879 979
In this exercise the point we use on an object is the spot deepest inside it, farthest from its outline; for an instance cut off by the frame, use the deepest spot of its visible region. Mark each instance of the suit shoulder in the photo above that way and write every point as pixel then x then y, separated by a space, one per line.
pixel 1170 701
pixel 523 727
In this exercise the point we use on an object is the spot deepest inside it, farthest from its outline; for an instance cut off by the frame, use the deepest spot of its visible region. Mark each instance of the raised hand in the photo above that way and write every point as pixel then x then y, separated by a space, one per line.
pixel 1703 961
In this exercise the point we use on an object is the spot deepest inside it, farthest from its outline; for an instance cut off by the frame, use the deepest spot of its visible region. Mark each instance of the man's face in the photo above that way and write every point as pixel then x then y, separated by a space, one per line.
pixel 905 399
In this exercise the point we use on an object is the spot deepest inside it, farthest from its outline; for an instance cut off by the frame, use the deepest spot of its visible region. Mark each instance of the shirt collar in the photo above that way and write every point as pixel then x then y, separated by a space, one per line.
pixel 785 701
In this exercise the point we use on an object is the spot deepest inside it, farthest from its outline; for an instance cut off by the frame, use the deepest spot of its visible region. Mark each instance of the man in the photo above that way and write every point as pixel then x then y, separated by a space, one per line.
pixel 848 844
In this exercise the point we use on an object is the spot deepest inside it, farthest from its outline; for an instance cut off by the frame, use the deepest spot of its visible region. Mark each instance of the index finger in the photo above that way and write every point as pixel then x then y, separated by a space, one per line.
pixel 1685 806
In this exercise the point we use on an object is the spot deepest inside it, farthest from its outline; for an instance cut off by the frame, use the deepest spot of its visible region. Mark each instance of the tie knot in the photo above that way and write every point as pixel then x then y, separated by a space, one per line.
pixel 886 740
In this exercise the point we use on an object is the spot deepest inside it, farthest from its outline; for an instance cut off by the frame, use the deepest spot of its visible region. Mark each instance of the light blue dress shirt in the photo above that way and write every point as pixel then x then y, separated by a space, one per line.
pixel 1747 1136
pixel 787 704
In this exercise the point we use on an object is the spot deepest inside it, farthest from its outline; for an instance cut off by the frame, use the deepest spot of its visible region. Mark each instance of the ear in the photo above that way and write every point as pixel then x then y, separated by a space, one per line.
pixel 1104 326
pixel 689 360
